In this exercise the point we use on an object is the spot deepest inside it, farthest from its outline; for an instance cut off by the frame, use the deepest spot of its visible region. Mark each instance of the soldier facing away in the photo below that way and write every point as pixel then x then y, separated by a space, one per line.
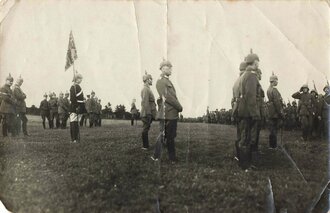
pixel 7 108
pixel 275 110
pixel 20 97
pixel 134 112
pixel 148 109
pixel 168 112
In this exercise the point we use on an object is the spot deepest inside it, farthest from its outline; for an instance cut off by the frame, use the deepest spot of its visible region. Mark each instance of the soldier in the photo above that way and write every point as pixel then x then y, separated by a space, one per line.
pixel 7 108
pixel 304 110
pixel 315 113
pixel 20 97
pixel 45 111
pixel 234 103
pixel 63 109
pixel 54 110
pixel 99 113
pixel 148 109
pixel 324 112
pixel 86 115
pixel 77 107
pixel 296 123
pixel 134 112
pixel 168 112
pixel 248 113
pixel 275 110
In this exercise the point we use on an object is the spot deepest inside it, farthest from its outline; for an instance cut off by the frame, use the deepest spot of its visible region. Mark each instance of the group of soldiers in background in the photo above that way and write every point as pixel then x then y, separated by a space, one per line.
pixel 13 107
pixel 57 110
pixel 252 113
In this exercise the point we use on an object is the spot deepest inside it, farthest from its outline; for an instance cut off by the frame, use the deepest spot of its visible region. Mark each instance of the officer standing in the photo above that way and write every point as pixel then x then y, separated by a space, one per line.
pixel 20 97
pixel 54 110
pixel 77 107
pixel 63 110
pixel 148 109
pixel 275 108
pixel 86 115
pixel 248 113
pixel 44 111
pixel 99 122
pixel 304 110
pixel 7 108
pixel 134 112
pixel 92 107
pixel 168 112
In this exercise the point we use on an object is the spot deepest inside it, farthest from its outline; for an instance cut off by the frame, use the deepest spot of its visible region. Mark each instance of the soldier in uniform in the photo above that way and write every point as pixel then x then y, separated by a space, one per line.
pixel 276 112
pixel 88 106
pixel 20 97
pixel 77 107
pixel 304 110
pixel 315 113
pixel 92 110
pixel 248 112
pixel 168 112
pixel 63 110
pixel 296 124
pixel 44 111
pixel 7 108
pixel 54 110
pixel 134 112
pixel 148 109
pixel 99 113
pixel 324 113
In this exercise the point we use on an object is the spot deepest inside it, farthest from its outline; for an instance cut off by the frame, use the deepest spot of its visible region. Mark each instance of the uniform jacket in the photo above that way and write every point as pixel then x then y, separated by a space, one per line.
pixel 304 104
pixel 248 102
pixel 53 105
pixel 275 104
pixel 148 105
pixel 172 106
pixel 99 108
pixel 44 108
pixel 8 102
pixel 20 99
pixel 324 107
pixel 133 109
pixel 77 99
pixel 63 106
pixel 88 105
pixel 93 105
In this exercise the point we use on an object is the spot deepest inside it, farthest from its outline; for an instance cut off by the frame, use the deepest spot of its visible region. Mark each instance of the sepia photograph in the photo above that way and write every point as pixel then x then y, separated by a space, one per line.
pixel 164 106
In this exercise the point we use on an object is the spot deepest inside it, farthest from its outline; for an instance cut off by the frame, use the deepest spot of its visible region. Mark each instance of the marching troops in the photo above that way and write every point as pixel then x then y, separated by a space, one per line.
pixel 7 108
pixel 20 97
pixel 305 111
pixel 148 109
pixel 275 110
pixel 168 113
pixel 45 112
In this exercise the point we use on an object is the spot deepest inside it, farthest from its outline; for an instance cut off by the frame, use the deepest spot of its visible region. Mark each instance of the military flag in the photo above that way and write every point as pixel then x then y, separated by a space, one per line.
pixel 71 53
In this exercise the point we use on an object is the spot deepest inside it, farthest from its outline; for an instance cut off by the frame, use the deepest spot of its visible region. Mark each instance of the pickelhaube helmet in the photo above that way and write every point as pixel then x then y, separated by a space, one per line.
pixel 251 58
pixel 146 77
pixel 92 92
pixel 10 78
pixel 165 63
pixel 273 78
pixel 304 86
pixel 20 79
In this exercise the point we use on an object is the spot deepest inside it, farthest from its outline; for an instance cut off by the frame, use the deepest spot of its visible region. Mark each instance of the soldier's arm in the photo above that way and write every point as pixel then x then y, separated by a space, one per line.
pixel 296 95
pixel 251 95
pixel 278 101
pixel 171 100
pixel 145 101
pixel 18 95
pixel 7 97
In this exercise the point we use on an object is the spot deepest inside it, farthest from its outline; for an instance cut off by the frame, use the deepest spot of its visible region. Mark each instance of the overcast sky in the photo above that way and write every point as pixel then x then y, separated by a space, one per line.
pixel 205 41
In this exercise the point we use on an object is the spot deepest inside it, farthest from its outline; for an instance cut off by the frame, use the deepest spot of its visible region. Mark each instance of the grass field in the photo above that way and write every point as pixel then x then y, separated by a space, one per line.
pixel 108 172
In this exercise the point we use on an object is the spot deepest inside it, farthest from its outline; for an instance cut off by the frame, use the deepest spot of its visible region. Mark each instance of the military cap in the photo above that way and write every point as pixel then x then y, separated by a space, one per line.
pixel 19 79
pixel 146 77
pixel 242 66
pixel 251 58
pixel 165 63
pixel 10 78
pixel 313 90
pixel 326 88
pixel 304 86
pixel 273 78
pixel 294 103
pixel 45 95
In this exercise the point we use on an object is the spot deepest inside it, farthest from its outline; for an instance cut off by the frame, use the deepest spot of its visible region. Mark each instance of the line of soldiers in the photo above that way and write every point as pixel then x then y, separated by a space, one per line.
pixel 94 111
pixel 13 108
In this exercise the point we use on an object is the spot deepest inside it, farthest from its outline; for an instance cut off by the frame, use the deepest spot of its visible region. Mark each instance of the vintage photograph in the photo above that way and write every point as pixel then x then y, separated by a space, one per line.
pixel 164 106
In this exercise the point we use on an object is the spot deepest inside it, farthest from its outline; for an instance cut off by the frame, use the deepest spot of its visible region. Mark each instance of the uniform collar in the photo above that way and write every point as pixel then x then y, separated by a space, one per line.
pixel 147 85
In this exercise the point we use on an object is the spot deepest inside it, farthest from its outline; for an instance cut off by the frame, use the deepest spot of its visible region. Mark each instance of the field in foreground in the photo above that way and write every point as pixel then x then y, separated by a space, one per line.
pixel 108 172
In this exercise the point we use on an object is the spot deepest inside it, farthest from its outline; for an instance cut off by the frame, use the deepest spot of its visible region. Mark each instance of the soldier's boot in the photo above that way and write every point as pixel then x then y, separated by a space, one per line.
pixel 44 125
pixel 272 141
pixel 76 132
pixel 244 157
pixel 145 140
pixel 71 131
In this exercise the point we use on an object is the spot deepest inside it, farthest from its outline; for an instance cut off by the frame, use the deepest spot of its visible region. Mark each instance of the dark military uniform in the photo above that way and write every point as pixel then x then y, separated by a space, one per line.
pixel 275 113
pixel 305 112
pixel 54 112
pixel 20 97
pixel 260 108
pixel 324 110
pixel 134 113
pixel 8 111
pixel 63 111
pixel 44 112
pixel 168 112
pixel 148 112
pixel 77 108
pixel 92 107
pixel 248 115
